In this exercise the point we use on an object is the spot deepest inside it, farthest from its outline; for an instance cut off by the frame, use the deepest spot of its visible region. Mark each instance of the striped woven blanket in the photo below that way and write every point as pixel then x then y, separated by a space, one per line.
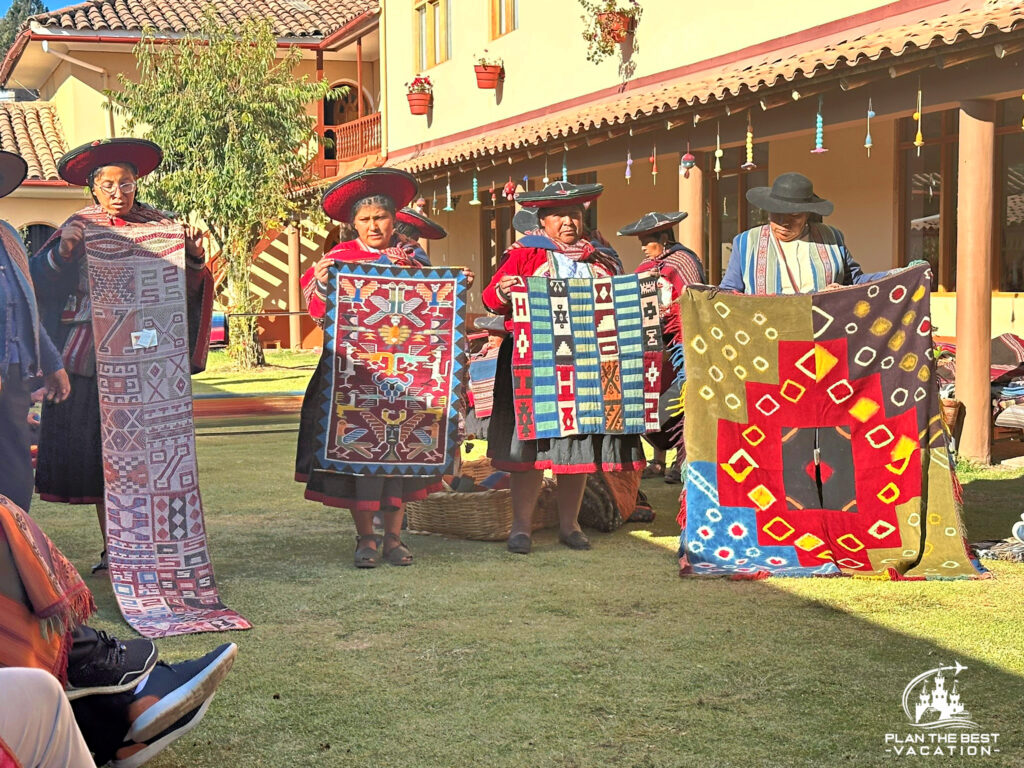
pixel 587 356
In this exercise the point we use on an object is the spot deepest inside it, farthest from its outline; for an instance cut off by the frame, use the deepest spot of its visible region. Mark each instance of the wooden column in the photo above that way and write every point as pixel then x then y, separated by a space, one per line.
pixel 359 75
pixel 691 200
pixel 976 192
pixel 294 291
pixel 320 114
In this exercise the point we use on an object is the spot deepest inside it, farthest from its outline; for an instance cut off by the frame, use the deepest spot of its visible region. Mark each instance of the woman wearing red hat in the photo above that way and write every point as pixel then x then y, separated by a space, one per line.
pixel 556 249
pixel 69 467
pixel 369 201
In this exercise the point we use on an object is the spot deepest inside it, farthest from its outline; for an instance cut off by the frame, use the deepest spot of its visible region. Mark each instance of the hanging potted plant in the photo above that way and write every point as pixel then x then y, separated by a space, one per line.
pixel 420 93
pixel 489 70
pixel 608 23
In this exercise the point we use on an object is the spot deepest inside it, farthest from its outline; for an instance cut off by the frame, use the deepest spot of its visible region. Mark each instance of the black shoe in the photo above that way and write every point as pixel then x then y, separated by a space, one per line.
pixel 520 544
pixel 178 689
pixel 99 663
pixel 163 739
pixel 575 540
pixel 102 565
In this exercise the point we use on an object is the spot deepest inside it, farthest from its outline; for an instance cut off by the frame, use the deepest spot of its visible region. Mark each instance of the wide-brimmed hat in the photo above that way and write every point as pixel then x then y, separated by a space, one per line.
pixel 77 164
pixel 13 170
pixel 789 193
pixel 525 220
pixel 652 223
pixel 559 193
pixel 397 185
pixel 426 228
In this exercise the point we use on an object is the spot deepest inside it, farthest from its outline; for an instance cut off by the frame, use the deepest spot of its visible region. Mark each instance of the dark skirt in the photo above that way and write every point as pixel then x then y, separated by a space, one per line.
pixel 353 492
pixel 69 467
pixel 574 455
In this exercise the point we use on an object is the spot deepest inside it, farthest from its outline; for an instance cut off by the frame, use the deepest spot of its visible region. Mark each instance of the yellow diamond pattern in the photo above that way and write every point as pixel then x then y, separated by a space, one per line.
pixel 808 541
pixel 881 326
pixel 889 494
pixel 753 435
pixel 864 409
pixel 782 525
pixel 850 542
pixel 792 391
pixel 739 475
pixel 763 498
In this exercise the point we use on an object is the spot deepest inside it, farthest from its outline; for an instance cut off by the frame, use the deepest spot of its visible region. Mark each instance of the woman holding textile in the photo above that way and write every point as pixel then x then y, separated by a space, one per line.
pixel 791 254
pixel 556 249
pixel 676 267
pixel 70 461
pixel 369 201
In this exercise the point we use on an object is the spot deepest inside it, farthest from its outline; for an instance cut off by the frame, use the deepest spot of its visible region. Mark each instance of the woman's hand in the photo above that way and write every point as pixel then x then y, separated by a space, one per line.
pixel 831 287
pixel 71 236
pixel 193 242
pixel 506 283
pixel 321 270
pixel 470 276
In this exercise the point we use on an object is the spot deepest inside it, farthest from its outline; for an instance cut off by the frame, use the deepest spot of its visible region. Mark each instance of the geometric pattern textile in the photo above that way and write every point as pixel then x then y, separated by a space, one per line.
pixel 586 356
pixel 394 364
pixel 815 443
pixel 160 567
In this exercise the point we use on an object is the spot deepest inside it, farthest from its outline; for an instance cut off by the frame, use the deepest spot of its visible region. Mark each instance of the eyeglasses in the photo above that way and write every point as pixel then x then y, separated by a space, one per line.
pixel 126 188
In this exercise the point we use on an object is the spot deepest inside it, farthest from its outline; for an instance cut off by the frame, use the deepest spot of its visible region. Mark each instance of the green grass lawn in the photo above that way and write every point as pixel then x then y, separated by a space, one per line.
pixel 475 657
pixel 285 371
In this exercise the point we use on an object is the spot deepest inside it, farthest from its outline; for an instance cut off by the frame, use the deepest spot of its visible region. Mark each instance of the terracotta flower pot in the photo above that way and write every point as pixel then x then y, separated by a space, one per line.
pixel 419 103
pixel 615 26
pixel 488 75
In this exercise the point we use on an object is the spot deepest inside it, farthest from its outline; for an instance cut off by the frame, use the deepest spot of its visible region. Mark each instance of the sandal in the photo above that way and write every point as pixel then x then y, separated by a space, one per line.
pixel 367 556
pixel 398 554
pixel 654 468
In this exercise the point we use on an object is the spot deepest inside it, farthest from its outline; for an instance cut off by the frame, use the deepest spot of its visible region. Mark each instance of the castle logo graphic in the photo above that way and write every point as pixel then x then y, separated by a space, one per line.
pixel 932 700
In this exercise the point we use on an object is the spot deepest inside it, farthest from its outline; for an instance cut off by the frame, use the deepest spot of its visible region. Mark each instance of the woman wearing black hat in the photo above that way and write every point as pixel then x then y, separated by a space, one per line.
pixel 69 466
pixel 791 254
pixel 677 267
pixel 369 200
pixel 556 249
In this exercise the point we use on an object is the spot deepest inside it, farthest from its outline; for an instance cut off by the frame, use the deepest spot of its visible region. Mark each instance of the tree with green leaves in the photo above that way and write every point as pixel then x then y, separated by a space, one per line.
pixel 238 143
pixel 11 23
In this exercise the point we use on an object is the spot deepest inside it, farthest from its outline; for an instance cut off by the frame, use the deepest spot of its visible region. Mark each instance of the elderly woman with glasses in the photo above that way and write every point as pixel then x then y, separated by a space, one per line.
pixel 70 461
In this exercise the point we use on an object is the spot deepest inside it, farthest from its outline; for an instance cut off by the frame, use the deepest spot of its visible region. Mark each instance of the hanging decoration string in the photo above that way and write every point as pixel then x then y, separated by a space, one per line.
pixel 867 139
pixel 476 191
pixel 448 194
pixel 686 162
pixel 750 164
pixel 654 164
pixel 629 156
pixel 919 136
pixel 819 129
pixel 718 150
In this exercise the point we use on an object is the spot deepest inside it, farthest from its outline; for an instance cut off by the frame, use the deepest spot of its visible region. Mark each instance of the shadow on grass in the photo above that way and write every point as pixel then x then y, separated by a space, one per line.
pixel 602 658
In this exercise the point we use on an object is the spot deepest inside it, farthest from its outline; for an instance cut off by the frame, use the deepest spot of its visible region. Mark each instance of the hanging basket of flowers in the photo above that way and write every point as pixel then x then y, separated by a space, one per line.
pixel 420 94
pixel 608 23
pixel 490 70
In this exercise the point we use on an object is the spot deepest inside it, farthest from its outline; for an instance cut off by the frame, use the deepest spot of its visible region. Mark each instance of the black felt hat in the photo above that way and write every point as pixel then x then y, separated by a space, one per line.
pixel 789 193
pixel 651 223
pixel 77 164
pixel 339 198
pixel 525 220
pixel 426 228
pixel 13 170
pixel 559 193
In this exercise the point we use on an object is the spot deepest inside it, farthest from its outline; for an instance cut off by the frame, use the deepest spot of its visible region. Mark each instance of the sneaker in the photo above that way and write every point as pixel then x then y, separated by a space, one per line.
pixel 102 565
pixel 173 690
pixel 132 758
pixel 109 665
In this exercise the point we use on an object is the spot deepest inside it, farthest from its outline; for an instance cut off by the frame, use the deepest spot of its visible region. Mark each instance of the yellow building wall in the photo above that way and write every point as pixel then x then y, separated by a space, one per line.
pixel 34 206
pixel 863 189
pixel 545 58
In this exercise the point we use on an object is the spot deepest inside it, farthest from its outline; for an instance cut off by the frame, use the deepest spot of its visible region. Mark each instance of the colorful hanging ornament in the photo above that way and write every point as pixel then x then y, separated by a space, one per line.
pixel 919 136
pixel 629 165
pixel 433 203
pixel 750 164
pixel 686 162
pixel 545 180
pixel 509 190
pixel 494 194
pixel 565 162
pixel 867 139
pixel 476 192
pixel 654 164
pixel 718 150
pixel 819 130
pixel 526 183
pixel 448 207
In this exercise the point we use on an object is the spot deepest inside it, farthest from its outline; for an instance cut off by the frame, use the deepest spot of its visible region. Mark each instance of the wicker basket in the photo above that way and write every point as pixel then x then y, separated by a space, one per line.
pixel 950 412
pixel 479 516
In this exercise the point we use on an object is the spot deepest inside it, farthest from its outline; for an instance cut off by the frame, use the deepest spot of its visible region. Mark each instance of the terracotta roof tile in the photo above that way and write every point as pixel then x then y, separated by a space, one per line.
pixel 972 20
pixel 290 18
pixel 33 130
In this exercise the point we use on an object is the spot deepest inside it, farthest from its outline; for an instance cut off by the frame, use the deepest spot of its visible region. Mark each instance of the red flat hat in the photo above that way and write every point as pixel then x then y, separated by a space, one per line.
pixel 77 164
pixel 13 170
pixel 428 229
pixel 397 185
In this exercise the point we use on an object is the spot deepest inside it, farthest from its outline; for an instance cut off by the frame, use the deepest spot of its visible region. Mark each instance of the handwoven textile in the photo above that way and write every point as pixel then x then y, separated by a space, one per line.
pixel 586 356
pixel 481 382
pixel 394 364
pixel 815 443
pixel 156 538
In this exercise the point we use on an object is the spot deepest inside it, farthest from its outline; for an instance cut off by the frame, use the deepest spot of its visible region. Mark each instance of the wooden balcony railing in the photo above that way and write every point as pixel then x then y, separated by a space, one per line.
pixel 351 140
